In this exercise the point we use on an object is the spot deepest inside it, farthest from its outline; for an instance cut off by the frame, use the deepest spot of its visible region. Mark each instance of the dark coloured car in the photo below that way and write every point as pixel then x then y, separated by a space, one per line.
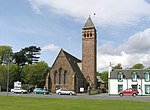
pixel 40 91
pixel 129 91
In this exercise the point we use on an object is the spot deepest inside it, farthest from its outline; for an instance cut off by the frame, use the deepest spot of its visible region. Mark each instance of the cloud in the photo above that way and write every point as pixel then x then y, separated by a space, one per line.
pixel 138 43
pixel 134 50
pixel 50 47
pixel 108 12
pixel 109 49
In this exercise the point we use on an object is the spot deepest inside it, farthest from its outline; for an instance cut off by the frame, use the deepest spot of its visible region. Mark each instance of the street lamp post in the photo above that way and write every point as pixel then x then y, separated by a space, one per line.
pixel 8 74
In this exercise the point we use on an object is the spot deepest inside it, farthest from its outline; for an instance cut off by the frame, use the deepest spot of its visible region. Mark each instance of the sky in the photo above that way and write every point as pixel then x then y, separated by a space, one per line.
pixel 123 28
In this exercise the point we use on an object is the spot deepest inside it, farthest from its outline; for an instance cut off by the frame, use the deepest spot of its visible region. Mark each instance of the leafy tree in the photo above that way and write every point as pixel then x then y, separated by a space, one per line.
pixel 28 55
pixel 35 74
pixel 104 77
pixel 31 54
pixel 98 73
pixel 14 74
pixel 3 76
pixel 138 66
pixel 20 58
pixel 5 54
pixel 118 66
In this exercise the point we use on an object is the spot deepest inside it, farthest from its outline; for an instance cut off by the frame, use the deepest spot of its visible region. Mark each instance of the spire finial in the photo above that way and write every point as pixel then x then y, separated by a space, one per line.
pixel 89 15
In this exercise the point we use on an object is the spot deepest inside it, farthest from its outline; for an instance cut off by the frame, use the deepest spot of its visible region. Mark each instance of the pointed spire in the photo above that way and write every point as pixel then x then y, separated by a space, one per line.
pixel 89 23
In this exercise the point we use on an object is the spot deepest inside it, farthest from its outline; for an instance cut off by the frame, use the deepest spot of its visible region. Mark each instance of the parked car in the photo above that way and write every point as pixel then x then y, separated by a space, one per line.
pixel 19 90
pixel 40 91
pixel 129 91
pixel 64 91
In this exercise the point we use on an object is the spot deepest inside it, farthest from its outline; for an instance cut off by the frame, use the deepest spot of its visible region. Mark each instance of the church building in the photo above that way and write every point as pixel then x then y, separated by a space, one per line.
pixel 72 73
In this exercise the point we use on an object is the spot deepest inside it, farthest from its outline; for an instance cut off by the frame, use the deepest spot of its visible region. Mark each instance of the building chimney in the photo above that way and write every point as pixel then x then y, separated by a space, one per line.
pixel 110 69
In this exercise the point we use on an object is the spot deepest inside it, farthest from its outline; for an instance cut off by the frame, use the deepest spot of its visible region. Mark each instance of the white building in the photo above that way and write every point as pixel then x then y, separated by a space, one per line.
pixel 121 79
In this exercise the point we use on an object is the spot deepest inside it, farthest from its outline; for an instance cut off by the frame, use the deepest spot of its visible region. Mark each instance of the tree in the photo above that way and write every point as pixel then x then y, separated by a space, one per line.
pixel 3 76
pixel 5 54
pixel 98 73
pixel 20 58
pixel 14 74
pixel 118 66
pixel 28 55
pixel 104 77
pixel 35 74
pixel 137 66
pixel 31 54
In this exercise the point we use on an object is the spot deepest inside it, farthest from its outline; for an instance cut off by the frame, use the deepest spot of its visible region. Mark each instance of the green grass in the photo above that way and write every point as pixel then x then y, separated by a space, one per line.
pixel 26 103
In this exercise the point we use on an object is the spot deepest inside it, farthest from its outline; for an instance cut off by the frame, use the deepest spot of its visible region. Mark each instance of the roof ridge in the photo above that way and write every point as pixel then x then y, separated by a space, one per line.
pixel 66 53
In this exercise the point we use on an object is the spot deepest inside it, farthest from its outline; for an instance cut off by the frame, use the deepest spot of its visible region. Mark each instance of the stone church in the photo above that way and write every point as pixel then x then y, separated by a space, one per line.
pixel 72 73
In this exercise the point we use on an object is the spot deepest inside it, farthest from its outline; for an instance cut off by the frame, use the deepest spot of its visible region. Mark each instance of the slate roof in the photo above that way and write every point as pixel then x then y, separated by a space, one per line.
pixel 89 23
pixel 127 73
pixel 73 62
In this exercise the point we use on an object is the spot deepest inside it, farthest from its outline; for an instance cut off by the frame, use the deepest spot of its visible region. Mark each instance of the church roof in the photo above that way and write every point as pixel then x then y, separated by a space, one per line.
pixel 74 63
pixel 89 23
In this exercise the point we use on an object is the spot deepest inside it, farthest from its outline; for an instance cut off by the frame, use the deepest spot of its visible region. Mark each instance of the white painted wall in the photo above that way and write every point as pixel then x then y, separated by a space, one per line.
pixel 127 83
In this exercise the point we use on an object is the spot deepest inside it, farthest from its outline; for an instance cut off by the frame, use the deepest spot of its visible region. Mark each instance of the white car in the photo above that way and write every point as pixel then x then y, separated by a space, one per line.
pixel 64 91
pixel 18 90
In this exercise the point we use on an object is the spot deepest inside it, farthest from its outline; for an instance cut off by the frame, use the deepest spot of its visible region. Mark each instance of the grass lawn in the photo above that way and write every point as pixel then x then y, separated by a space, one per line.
pixel 26 103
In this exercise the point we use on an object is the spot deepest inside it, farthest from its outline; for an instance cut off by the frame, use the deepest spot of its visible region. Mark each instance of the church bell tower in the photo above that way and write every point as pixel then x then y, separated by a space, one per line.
pixel 89 44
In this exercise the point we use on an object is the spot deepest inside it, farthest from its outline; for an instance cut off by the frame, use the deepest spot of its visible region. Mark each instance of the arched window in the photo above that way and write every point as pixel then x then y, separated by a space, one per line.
pixel 90 34
pixel 55 77
pixel 120 76
pixel 134 76
pixel 84 35
pixel 87 34
pixel 60 76
pixel 65 77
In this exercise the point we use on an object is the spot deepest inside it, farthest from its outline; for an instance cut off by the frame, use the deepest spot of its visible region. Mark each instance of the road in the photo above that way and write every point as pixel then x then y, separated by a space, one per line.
pixel 103 96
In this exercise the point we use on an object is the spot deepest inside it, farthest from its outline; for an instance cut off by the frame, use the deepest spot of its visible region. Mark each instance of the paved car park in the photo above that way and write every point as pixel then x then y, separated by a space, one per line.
pixel 103 96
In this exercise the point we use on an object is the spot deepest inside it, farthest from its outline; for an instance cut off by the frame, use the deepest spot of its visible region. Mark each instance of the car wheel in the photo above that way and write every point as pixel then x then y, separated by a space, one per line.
pixel 134 94
pixel 70 93
pixel 121 94
pixel 59 93
pixel 21 92
pixel 44 92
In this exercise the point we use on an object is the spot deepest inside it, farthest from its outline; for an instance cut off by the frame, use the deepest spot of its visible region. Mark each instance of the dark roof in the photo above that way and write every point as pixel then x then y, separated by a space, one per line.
pixel 73 62
pixel 89 23
pixel 127 73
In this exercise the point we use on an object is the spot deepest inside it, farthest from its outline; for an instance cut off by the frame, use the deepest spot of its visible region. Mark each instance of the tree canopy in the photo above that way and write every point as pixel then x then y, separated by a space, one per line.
pixel 118 66
pixel 35 74
pixel 104 77
pixel 23 66
pixel 5 52
pixel 137 66
pixel 28 55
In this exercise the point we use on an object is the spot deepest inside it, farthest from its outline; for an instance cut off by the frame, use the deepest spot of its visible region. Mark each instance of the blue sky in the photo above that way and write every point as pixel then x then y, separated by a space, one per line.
pixel 123 28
